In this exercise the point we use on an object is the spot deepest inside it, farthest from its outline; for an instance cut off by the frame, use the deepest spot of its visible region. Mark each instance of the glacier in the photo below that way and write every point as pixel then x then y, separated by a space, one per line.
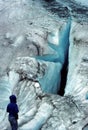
pixel 37 39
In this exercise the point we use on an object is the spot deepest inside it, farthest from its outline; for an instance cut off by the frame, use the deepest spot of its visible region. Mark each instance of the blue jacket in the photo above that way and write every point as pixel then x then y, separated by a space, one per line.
pixel 12 107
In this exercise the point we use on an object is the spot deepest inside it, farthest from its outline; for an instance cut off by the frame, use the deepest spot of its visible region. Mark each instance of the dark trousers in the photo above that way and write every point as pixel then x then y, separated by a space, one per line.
pixel 13 123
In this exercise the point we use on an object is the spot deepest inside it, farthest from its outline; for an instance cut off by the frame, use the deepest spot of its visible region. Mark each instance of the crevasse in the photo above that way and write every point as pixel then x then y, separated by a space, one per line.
pixel 50 82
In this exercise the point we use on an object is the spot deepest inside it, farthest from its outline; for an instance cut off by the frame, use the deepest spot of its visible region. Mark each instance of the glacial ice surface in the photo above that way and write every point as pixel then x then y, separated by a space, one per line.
pixel 23 36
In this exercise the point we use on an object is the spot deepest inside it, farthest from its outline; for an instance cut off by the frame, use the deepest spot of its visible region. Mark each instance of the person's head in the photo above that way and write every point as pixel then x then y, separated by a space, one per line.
pixel 12 99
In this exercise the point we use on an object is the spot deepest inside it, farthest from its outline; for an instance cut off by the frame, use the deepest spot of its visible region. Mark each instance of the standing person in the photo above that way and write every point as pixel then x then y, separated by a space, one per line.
pixel 12 109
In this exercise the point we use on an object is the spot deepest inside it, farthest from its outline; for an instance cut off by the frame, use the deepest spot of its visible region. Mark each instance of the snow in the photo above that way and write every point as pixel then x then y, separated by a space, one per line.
pixel 83 2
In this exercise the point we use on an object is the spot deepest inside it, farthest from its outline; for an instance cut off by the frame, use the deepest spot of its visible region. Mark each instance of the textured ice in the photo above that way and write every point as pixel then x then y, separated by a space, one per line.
pixel 51 81
pixel 83 2
pixel 25 28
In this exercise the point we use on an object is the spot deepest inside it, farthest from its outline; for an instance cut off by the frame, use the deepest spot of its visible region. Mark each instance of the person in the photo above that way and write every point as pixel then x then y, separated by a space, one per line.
pixel 12 109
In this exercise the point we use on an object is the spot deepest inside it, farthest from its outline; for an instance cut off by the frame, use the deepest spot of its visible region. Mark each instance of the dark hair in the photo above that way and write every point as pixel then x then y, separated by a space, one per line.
pixel 12 99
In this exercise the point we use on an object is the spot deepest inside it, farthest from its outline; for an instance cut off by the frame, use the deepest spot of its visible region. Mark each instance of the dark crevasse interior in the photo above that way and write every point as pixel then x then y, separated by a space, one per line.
pixel 64 73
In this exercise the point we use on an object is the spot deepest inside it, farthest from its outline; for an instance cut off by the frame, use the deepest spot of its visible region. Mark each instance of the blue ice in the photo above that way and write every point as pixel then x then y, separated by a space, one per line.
pixel 50 82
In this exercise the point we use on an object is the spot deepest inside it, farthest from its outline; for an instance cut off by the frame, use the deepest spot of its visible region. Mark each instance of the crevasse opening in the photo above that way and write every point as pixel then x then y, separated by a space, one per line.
pixel 64 73
pixel 52 81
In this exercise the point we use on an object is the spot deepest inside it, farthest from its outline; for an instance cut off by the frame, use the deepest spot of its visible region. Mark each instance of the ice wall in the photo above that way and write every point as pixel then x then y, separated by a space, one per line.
pixel 51 81
pixel 77 81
